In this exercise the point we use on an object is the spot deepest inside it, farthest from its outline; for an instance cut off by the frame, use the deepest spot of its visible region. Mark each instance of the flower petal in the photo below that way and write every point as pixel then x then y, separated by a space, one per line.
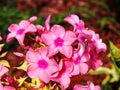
pixel 58 31
pixel 48 38
pixel 13 28
pixel 69 38
pixel 65 81
pixel 72 19
pixel 83 70
pixel 20 38
pixel 53 67
pixel 67 51
pixel 3 70
pixel 24 24
pixel 43 76
pixel 32 56
pixel 31 71
pixel 43 52
pixel 10 37
pixel 47 23
pixel 52 50
pixel 31 28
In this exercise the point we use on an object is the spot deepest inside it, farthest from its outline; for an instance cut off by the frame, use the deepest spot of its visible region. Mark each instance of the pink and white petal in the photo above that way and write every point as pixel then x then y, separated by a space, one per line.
pixel 24 24
pixel 85 57
pixel 72 19
pixel 47 23
pixel 10 37
pixel 85 69
pixel 81 49
pixel 52 68
pixel 101 47
pixel 13 28
pixel 18 54
pixel 69 65
pixel 65 81
pixel 9 88
pixel 31 28
pixel 58 31
pixel 91 85
pixel 48 38
pixel 76 70
pixel 3 70
pixel 33 71
pixel 52 50
pixel 69 38
pixel 43 75
pixel 67 51
pixel 33 18
pixel 1 87
pixel 43 52
pixel 32 56
pixel 20 39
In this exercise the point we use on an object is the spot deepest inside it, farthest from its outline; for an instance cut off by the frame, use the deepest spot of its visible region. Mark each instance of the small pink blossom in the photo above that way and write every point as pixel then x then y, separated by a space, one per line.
pixel 40 65
pixel 90 86
pixel 3 70
pixel 18 31
pixel 93 45
pixel 78 64
pixel 59 41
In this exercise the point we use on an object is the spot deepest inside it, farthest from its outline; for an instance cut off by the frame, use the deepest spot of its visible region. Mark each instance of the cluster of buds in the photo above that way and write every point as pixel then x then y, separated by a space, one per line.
pixel 55 53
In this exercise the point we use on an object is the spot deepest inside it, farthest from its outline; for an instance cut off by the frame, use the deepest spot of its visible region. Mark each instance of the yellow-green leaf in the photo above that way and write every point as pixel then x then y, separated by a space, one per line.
pixel 23 66
pixel 3 54
pixel 5 63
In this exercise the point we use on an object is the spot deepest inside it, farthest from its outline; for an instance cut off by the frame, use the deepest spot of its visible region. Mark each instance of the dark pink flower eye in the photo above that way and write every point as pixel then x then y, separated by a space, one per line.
pixel 42 64
pixel 20 31
pixel 58 42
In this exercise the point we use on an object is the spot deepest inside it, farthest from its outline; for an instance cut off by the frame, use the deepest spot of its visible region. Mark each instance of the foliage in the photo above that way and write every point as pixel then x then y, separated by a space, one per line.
pixel 112 80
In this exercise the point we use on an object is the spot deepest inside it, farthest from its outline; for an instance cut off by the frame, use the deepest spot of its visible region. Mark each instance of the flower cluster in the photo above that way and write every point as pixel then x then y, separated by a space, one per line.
pixel 56 53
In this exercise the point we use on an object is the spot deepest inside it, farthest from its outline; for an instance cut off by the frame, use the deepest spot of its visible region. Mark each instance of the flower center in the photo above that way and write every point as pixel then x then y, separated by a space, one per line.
pixel 20 31
pixel 42 64
pixel 58 41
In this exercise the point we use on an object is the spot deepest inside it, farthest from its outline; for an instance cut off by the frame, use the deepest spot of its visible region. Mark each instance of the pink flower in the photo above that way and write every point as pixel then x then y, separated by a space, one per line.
pixel 3 70
pixel 40 65
pixel 93 45
pixel 63 78
pixel 6 87
pixel 78 63
pixel 18 31
pixel 75 21
pixel 59 41
pixel 90 86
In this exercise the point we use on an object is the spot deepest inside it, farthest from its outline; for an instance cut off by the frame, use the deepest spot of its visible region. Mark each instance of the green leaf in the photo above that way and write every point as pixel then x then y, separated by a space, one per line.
pixel 106 87
pixel 115 54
